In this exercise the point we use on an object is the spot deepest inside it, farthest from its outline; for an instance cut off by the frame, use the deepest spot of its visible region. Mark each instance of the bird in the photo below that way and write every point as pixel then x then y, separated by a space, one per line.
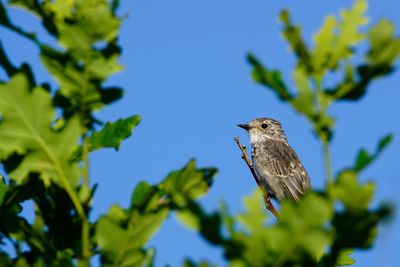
pixel 280 170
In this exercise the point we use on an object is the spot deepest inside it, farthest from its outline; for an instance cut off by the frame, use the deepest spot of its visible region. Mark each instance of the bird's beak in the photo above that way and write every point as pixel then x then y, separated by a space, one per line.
pixel 244 126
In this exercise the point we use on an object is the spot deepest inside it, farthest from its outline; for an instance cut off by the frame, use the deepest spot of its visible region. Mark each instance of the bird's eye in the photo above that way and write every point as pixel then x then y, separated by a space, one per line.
pixel 264 125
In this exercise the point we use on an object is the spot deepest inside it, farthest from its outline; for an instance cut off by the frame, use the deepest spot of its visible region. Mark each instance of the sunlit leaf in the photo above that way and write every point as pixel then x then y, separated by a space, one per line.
pixel 188 182
pixel 130 232
pixel 270 78
pixel 254 218
pixel 112 134
pixel 333 42
pixel 354 196
pixel 292 34
pixel 384 45
pixel 345 259
pixel 364 158
pixel 89 22
pixel 27 113
pixel 187 218
pixel 304 101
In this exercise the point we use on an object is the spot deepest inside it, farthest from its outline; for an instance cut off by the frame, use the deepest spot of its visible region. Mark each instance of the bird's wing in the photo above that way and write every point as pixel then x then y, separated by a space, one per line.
pixel 286 166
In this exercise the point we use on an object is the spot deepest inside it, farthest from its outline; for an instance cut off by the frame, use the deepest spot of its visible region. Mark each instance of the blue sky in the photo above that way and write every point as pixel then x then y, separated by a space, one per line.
pixel 186 75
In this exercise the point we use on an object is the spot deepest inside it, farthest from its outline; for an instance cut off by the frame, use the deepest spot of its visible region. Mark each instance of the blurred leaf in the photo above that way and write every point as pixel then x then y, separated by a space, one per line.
pixel 383 143
pixel 324 41
pixel 384 50
pixel 364 158
pixel 384 45
pixel 203 263
pixel 355 197
pixel 188 219
pixel 109 95
pixel 303 225
pixel 254 218
pixel 270 78
pixel 357 229
pixel 347 34
pixel 69 76
pixel 292 34
pixel 228 220
pixel 28 114
pixel 298 238
pixel 188 183
pixel 3 189
pixel 304 101
pixel 344 258
pixel 141 194
pixel 100 67
pixel 112 134
pixel 130 232
pixel 87 22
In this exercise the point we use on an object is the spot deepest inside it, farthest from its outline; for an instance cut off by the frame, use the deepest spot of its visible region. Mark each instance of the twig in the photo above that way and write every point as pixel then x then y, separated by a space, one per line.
pixel 267 199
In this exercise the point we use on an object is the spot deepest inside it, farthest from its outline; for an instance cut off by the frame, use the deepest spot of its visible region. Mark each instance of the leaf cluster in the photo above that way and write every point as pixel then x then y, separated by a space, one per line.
pixel 333 53
pixel 48 130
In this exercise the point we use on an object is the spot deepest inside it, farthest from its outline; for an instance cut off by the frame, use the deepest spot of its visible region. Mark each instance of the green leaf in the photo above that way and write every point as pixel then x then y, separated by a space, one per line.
pixel 324 41
pixel 383 143
pixel 270 78
pixel 300 235
pixel 354 196
pixel 384 45
pixel 100 67
pixel 112 134
pixel 305 224
pixel 364 158
pixel 189 219
pixel 188 183
pixel 292 33
pixel 69 75
pixel 203 263
pixel 333 42
pixel 25 128
pixel 142 195
pixel 254 218
pixel 130 233
pixel 344 258
pixel 304 101
pixel 87 22
pixel 228 220
pixel 3 189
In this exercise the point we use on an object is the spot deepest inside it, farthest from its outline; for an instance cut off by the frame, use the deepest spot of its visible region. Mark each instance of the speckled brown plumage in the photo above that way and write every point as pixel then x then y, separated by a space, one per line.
pixel 276 163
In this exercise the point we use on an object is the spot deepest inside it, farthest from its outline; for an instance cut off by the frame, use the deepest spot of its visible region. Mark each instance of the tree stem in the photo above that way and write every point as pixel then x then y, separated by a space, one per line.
pixel 85 257
pixel 327 161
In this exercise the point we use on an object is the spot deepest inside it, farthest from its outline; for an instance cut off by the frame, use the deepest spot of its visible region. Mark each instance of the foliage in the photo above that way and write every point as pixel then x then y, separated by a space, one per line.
pixel 47 133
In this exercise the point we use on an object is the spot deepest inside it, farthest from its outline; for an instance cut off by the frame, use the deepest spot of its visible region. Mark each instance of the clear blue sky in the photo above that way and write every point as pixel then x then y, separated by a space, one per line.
pixel 186 75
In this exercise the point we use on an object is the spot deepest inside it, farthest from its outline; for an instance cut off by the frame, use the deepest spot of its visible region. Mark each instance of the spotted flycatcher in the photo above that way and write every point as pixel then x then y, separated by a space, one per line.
pixel 276 163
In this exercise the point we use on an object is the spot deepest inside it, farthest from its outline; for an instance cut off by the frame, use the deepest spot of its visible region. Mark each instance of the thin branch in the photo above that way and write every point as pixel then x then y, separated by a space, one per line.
pixel 267 199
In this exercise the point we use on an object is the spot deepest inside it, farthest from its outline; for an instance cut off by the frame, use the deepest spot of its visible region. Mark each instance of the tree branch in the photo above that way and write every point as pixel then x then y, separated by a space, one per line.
pixel 267 199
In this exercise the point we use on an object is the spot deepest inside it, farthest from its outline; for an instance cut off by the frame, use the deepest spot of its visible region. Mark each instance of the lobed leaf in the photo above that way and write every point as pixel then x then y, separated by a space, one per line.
pixel 113 133
pixel 364 158
pixel 270 78
pixel 130 230
pixel 25 129
pixel 187 183
pixel 355 197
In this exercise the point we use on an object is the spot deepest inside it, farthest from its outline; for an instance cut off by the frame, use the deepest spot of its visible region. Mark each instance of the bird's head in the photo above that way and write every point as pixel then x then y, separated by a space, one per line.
pixel 263 128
